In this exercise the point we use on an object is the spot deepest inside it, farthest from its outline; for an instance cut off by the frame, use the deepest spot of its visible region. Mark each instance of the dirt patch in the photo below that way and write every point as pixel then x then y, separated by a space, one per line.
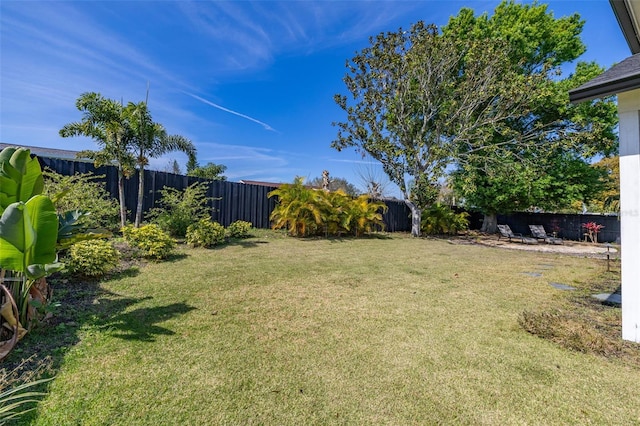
pixel 568 247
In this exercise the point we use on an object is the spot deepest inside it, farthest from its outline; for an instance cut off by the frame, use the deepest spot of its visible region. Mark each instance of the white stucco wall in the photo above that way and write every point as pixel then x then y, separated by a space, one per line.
pixel 629 113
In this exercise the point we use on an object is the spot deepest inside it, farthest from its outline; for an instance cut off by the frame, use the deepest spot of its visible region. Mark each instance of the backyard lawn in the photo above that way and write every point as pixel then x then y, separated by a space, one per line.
pixel 383 330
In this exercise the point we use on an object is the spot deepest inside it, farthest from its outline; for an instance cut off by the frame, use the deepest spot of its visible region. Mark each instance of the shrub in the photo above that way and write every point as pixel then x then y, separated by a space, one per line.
pixel 205 233
pixel 179 209
pixel 305 211
pixel 93 258
pixel 152 241
pixel 82 192
pixel 441 219
pixel 298 209
pixel 592 229
pixel 364 215
pixel 239 229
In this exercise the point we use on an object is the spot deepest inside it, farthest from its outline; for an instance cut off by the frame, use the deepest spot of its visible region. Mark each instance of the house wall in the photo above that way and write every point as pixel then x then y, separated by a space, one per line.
pixel 629 113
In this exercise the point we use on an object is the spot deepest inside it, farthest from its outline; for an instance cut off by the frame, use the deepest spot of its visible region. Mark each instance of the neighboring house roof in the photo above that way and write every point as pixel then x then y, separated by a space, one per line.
pixel 259 183
pixel 271 184
pixel 621 77
pixel 47 152
pixel 628 14
pixel 624 76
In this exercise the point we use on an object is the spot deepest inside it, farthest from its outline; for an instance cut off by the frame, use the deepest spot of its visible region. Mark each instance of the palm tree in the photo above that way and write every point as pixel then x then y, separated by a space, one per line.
pixel 298 209
pixel 104 121
pixel 150 140
pixel 365 215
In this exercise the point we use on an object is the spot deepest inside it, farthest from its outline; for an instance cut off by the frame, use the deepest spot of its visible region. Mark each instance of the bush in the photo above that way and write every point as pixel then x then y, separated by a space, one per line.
pixel 179 209
pixel 152 241
pixel 304 211
pixel 93 258
pixel 239 229
pixel 81 192
pixel 205 233
pixel 441 219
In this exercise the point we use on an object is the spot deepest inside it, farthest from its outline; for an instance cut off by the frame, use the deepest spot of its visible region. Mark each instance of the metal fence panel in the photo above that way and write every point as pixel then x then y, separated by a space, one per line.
pixel 237 201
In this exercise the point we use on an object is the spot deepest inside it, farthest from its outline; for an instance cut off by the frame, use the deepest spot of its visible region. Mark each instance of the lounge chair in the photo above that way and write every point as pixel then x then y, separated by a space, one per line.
pixel 506 232
pixel 537 231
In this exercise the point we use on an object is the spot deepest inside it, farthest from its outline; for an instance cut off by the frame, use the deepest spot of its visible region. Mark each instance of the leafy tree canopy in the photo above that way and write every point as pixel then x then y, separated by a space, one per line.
pixel 210 171
pixel 540 44
pixel 421 101
pixel 552 184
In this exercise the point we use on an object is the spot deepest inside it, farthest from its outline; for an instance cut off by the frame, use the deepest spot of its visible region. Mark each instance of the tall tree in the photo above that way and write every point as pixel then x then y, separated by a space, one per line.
pixel 553 183
pixel 540 44
pixel 421 101
pixel 104 121
pixel 609 199
pixel 150 140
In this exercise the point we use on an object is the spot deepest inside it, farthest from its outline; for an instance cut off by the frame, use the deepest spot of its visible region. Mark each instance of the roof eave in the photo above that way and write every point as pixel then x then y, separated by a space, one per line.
pixel 621 9
pixel 604 90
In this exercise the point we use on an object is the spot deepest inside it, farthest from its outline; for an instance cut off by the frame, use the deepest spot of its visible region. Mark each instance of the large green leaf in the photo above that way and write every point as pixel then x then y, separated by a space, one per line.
pixel 20 176
pixel 44 220
pixel 28 234
pixel 16 237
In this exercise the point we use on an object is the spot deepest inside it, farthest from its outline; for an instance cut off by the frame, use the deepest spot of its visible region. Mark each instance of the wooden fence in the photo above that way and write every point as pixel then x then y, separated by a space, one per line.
pixel 237 201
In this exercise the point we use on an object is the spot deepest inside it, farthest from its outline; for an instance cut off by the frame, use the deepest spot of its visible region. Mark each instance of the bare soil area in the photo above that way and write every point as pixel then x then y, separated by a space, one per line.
pixel 576 248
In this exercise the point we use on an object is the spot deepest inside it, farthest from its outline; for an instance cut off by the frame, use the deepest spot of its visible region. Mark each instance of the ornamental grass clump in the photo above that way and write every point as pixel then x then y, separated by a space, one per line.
pixel 205 233
pixel 152 241
pixel 93 258
pixel 21 388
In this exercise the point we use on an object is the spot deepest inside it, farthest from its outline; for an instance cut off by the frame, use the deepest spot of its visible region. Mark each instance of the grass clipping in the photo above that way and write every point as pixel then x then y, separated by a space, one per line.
pixel 584 325
pixel 572 330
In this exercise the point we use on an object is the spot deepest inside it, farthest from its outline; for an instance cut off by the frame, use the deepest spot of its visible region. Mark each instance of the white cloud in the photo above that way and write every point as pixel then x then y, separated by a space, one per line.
pixel 220 107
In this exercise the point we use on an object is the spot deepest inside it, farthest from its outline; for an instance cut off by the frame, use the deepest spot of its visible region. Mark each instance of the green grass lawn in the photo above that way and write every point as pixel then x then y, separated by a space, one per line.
pixel 281 331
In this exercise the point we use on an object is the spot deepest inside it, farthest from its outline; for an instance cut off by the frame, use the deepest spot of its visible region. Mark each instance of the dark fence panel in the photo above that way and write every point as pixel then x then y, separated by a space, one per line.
pixel 398 216
pixel 236 201
pixel 568 226
pixel 231 201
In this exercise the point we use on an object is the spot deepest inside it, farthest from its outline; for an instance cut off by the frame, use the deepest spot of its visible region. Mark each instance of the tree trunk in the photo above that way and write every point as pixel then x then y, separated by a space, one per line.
pixel 123 207
pixel 416 218
pixel 140 197
pixel 490 223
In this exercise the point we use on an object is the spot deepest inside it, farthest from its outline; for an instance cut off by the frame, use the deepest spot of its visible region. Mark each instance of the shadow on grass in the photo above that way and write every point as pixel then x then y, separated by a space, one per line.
pixel 344 238
pixel 249 243
pixel 175 257
pixel 140 324
pixel 81 306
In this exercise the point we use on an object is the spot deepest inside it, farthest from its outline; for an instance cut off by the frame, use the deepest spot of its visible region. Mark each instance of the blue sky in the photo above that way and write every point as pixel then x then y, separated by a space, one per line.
pixel 251 84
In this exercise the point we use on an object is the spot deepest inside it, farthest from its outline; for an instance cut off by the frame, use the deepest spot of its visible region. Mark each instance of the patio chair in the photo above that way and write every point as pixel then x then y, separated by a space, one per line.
pixel 506 232
pixel 537 231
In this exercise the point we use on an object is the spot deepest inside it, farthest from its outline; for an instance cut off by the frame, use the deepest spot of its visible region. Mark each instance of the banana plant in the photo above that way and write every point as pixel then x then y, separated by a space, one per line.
pixel 20 176
pixel 71 230
pixel 28 226
pixel 28 235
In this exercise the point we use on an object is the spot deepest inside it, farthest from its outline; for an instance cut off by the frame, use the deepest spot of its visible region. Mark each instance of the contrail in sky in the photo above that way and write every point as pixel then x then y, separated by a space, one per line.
pixel 265 125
